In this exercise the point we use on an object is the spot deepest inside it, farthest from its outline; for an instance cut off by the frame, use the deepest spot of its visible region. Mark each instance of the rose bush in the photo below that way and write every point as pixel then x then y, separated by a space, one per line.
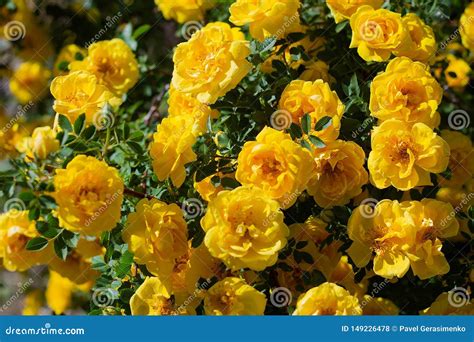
pixel 278 157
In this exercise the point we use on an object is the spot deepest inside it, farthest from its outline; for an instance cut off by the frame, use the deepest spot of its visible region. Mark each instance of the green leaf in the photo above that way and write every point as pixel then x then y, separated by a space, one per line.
pixel 27 196
pixel 47 230
pixel 64 123
pixel 141 31
pixel 63 66
pixel 136 147
pixel 36 244
pixel 295 131
pixel 89 132
pixel 341 26
pixel 229 183
pixel 78 56
pixel 306 145
pixel 323 123
pixel 79 124
pixel 317 142
pixel 33 213
pixel 124 265
pixel 60 248
pixel 306 123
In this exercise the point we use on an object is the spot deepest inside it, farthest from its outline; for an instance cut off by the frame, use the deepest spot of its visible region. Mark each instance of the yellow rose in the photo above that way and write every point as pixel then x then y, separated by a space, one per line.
pixel 80 92
pixel 41 143
pixel 152 299
pixel 180 104
pixel 184 10
pixel 16 230
pixel 467 27
pixel 114 64
pixel 378 306
pixel 443 305
pixel 317 70
pixel 402 235
pixel 77 266
pixel 172 148
pixel 422 41
pixel 339 174
pixel 29 82
pixel 316 99
pixel 232 296
pixel 433 221
pixel 68 54
pixel 157 234
pixel 89 194
pixel 276 165
pixel 244 228
pixel 268 18
pixel 344 9
pixel 385 231
pixel 377 33
pixel 327 299
pixel 211 63
pixel 461 163
pixel 404 155
pixel 457 72
pixel 406 91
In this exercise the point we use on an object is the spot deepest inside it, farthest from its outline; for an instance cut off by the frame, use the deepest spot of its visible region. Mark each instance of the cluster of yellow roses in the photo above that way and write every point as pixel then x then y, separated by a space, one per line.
pixel 245 229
